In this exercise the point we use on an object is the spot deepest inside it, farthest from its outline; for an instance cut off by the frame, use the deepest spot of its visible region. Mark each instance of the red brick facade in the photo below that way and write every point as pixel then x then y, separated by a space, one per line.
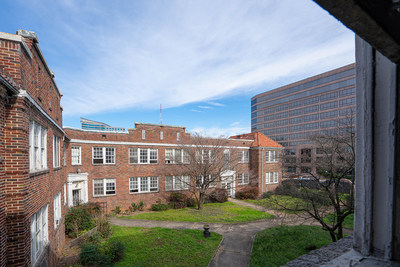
pixel 28 93
pixel 122 170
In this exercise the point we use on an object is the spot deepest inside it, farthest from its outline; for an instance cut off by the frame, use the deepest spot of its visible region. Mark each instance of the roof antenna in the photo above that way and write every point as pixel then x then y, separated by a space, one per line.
pixel 160 115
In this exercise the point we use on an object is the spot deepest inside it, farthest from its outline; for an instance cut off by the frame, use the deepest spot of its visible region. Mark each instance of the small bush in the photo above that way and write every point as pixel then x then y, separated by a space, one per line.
pixel 159 207
pixel 178 199
pixel 114 250
pixel 287 189
pixel 133 207
pixel 218 195
pixel 247 193
pixel 103 226
pixel 267 194
pixel 190 202
pixel 117 210
pixel 141 205
pixel 95 238
pixel 90 256
pixel 81 218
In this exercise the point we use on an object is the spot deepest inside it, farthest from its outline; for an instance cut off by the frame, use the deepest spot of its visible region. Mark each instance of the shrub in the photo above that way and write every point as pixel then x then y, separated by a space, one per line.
pixel 287 188
pixel 247 193
pixel 218 195
pixel 133 207
pixel 267 194
pixel 103 226
pixel 80 218
pixel 90 256
pixel 95 238
pixel 114 250
pixel 190 202
pixel 117 210
pixel 159 207
pixel 141 205
pixel 178 199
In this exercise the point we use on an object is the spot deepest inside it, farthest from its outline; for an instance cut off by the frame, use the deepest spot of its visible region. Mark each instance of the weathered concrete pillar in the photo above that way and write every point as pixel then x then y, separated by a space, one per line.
pixel 377 221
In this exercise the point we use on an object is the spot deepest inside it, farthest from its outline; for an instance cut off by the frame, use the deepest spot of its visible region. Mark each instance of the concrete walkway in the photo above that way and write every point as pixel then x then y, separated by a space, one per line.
pixel 237 243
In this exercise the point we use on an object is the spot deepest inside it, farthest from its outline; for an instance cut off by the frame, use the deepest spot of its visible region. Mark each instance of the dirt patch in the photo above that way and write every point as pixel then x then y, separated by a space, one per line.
pixel 69 256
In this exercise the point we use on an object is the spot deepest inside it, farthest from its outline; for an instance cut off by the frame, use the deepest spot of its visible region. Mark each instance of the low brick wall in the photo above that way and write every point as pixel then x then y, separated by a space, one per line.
pixel 80 239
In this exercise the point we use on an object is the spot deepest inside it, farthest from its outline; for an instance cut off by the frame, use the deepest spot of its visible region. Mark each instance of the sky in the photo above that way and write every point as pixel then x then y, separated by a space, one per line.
pixel 118 61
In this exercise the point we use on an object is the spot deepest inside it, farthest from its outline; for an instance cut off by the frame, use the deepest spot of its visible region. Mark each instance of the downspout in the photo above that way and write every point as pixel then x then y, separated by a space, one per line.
pixel 262 170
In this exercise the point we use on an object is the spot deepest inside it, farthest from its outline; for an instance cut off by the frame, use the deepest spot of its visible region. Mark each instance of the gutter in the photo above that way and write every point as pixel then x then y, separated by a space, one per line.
pixel 8 85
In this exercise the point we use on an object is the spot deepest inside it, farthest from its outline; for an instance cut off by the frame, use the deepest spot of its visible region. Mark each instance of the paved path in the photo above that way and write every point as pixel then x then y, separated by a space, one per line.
pixel 237 243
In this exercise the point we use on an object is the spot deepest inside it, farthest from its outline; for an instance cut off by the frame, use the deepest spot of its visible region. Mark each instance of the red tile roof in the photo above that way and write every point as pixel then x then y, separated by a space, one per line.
pixel 260 140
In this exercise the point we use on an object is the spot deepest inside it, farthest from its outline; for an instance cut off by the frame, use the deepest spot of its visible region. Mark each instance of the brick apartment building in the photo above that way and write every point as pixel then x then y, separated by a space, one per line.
pixel 32 179
pixel 290 115
pixel 118 167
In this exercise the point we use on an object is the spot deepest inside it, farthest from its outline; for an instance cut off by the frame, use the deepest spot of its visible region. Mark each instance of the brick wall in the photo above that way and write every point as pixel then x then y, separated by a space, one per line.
pixel 2 180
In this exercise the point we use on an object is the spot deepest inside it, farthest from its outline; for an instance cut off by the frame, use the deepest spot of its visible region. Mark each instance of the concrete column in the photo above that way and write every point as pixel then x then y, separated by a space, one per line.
pixel 377 135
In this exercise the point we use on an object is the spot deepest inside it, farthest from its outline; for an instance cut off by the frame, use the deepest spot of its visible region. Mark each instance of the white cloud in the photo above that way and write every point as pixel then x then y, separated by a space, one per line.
pixel 216 104
pixel 143 54
pixel 235 123
pixel 205 107
pixel 218 132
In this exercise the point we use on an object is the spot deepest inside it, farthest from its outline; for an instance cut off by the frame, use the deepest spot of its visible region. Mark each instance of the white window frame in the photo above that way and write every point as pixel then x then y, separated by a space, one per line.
pixel 106 159
pixel 57 210
pixel 76 155
pixel 177 156
pixel 271 177
pixel 178 137
pixel 200 178
pixel 39 233
pixel 143 134
pixel 161 135
pixel 243 178
pixel 272 156
pixel 150 154
pixel 37 147
pixel 244 156
pixel 65 194
pixel 56 151
pixel 105 191
pixel 139 185
pixel 177 183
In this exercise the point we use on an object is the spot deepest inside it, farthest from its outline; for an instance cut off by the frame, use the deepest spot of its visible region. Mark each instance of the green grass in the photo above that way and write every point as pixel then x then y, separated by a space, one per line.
pixel 279 245
pixel 347 223
pixel 274 202
pixel 165 247
pixel 211 213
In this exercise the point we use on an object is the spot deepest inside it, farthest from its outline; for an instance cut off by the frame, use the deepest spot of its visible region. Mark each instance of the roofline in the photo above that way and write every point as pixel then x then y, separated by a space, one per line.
pixel 8 85
pixel 94 131
pixel 159 125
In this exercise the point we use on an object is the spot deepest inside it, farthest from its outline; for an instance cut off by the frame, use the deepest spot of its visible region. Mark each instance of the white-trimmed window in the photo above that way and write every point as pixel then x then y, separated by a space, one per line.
pixel 243 156
pixel 243 178
pixel 57 210
pixel 104 187
pixel 37 147
pixel 161 135
pixel 271 177
pixel 65 194
pixel 205 156
pixel 143 184
pixel 178 137
pixel 76 158
pixel 143 134
pixel 177 183
pixel 64 157
pixel 56 151
pixel 176 156
pixel 103 155
pixel 39 233
pixel 143 155
pixel 212 181
pixel 272 156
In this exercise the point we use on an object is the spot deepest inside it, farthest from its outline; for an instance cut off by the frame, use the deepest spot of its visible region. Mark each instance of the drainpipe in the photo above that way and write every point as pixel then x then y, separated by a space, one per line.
pixel 262 170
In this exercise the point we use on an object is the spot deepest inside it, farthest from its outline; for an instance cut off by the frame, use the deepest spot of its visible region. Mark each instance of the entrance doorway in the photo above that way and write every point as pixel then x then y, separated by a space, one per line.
pixel 76 197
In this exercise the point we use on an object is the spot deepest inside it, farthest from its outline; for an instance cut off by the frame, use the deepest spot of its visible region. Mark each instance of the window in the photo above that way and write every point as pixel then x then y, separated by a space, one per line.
pixel 56 151
pixel 282 107
pixel 269 110
pixel 269 132
pixel 328 96
pixel 243 156
pixel 347 92
pixel 328 124
pixel 39 233
pixel 268 118
pixel 310 109
pixel 143 155
pixel 282 130
pixel 310 126
pixel 290 151
pixel 348 102
pixel 329 105
pixel 64 158
pixel 328 114
pixel 305 155
pixel 296 136
pixel 177 183
pixel 161 135
pixel 272 156
pixel 271 177
pixel 143 134
pixel 176 156
pixel 57 210
pixel 104 187
pixel 291 169
pixel 211 181
pixel 296 112
pixel 296 104
pixel 205 156
pixel 282 122
pixel 296 120
pixel 312 117
pixel 296 128
pixel 281 115
pixel 290 160
pixel 243 178
pixel 103 155
pixel 143 184
pixel 269 124
pixel 347 112
pixel 76 155
pixel 37 147
pixel 311 100
pixel 178 136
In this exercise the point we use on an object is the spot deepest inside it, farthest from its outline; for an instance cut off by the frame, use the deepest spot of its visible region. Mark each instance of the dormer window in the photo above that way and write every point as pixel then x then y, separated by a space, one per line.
pixel 143 134
pixel 178 137
pixel 161 135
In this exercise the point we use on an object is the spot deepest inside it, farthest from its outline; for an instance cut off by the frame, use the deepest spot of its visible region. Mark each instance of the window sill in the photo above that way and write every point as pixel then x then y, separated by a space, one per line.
pixel 143 163
pixel 243 184
pixel 39 172
pixel 76 164
pixel 57 168
pixel 272 183
pixel 176 190
pixel 103 164
pixel 149 192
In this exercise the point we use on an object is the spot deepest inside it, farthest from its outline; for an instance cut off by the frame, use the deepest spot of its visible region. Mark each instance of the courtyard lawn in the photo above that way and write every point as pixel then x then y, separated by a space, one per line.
pixel 274 202
pixel 211 213
pixel 165 247
pixel 279 245
pixel 347 223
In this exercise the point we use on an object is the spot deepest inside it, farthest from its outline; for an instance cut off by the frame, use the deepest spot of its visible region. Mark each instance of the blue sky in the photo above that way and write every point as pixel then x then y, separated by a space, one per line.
pixel 117 61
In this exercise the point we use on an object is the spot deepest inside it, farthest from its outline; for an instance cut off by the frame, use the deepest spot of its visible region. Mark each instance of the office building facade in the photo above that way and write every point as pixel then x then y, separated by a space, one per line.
pixel 292 114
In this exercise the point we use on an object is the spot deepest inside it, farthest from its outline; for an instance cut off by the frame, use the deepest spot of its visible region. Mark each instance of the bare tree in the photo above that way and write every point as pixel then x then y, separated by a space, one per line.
pixel 330 190
pixel 199 164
